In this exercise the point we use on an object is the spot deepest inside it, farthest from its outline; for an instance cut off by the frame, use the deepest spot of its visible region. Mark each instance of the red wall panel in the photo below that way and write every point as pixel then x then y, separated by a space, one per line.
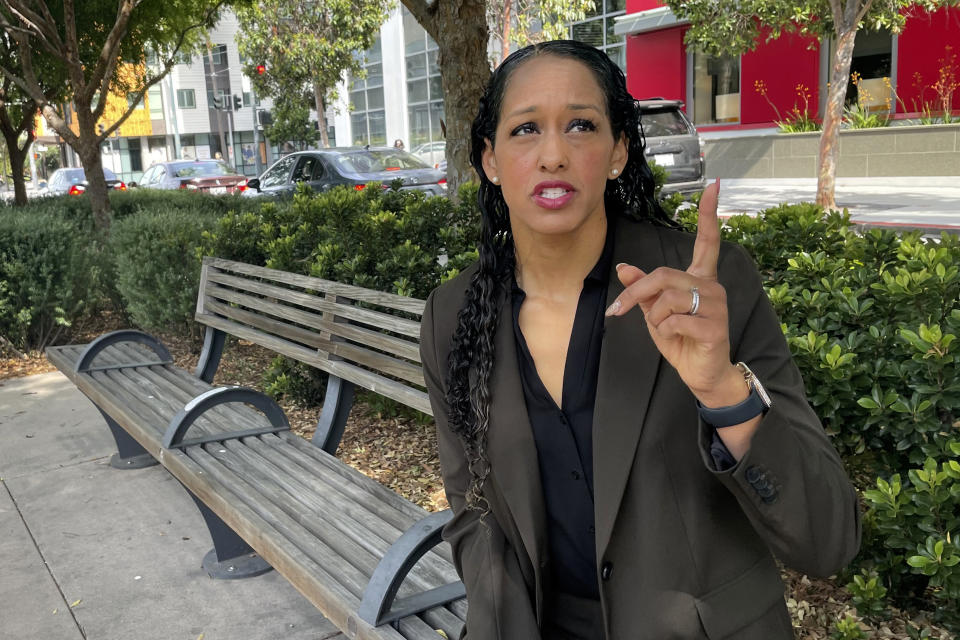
pixel 922 51
pixel 782 65
pixel 656 64
pixel 642 5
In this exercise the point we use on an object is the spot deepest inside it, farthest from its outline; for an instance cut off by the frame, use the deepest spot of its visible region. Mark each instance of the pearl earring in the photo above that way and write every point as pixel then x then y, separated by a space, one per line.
pixel 495 180
pixel 615 171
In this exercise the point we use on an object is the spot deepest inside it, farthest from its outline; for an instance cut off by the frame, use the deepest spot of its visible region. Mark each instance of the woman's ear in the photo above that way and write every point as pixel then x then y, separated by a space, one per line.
pixel 618 159
pixel 489 160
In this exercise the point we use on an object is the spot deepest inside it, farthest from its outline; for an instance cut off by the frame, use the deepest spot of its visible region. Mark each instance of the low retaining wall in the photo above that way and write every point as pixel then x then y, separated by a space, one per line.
pixel 932 150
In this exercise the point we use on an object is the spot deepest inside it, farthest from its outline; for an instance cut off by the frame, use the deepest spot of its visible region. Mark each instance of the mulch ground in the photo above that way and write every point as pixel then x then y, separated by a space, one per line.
pixel 401 454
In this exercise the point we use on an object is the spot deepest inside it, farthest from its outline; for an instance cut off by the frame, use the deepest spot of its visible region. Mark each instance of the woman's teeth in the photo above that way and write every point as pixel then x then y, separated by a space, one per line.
pixel 553 193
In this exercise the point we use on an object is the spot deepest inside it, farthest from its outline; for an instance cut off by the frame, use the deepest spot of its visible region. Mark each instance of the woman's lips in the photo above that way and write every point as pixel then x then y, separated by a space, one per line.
pixel 553 195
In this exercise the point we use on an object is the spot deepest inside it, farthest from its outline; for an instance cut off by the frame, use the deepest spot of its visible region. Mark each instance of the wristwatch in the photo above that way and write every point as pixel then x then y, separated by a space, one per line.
pixel 756 403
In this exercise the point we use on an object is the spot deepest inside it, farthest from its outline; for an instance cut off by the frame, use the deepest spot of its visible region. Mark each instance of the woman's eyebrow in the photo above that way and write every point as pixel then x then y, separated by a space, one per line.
pixel 570 107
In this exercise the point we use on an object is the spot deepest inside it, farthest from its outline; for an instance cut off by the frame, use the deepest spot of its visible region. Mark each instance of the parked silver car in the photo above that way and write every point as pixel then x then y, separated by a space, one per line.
pixel 673 143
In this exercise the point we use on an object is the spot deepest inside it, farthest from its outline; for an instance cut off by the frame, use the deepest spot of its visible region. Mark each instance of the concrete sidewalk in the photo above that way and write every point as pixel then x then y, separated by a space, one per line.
pixel 91 552
pixel 931 204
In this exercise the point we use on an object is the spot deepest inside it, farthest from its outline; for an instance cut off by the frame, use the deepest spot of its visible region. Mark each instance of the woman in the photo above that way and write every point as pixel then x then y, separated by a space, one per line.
pixel 612 472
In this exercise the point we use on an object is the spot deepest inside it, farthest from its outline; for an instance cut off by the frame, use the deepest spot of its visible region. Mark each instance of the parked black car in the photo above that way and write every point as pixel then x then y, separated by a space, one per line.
pixel 673 143
pixel 73 181
pixel 355 167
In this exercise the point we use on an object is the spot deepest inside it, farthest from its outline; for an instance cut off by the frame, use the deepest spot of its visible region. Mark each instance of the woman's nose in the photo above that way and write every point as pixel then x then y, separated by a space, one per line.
pixel 553 152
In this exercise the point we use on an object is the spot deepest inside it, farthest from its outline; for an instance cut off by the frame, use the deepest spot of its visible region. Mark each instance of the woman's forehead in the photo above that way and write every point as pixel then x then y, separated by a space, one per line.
pixel 551 82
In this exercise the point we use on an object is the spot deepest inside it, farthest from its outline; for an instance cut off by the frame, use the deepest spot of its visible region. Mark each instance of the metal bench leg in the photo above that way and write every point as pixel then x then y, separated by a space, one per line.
pixel 231 557
pixel 130 455
pixel 333 417
pixel 213 341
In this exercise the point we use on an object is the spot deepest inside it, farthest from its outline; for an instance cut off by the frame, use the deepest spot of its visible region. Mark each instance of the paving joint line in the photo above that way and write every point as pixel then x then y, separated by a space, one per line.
pixel 27 474
pixel 46 566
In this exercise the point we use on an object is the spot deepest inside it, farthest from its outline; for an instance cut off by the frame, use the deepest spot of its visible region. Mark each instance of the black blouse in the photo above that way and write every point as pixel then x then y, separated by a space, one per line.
pixel 564 435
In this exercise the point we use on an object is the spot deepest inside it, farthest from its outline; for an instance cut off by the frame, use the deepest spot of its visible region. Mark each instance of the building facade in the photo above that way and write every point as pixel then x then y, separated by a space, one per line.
pixel 761 87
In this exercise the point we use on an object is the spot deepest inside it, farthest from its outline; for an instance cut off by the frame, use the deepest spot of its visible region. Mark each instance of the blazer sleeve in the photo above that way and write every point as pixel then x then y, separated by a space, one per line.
pixel 499 604
pixel 791 483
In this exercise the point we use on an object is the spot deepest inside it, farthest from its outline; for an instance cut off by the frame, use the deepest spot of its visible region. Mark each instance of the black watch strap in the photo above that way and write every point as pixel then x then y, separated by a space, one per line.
pixel 734 414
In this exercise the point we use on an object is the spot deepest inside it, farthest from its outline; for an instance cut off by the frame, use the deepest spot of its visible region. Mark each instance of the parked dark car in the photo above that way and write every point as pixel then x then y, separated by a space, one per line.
pixel 673 143
pixel 73 181
pixel 207 176
pixel 354 167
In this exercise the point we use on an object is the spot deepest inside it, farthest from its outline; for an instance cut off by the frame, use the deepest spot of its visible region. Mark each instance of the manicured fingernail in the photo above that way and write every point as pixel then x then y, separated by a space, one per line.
pixel 620 264
pixel 612 309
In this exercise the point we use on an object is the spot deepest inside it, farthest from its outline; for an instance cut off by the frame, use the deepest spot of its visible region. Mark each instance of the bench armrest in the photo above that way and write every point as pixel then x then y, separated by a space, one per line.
pixel 115 337
pixel 378 606
pixel 173 438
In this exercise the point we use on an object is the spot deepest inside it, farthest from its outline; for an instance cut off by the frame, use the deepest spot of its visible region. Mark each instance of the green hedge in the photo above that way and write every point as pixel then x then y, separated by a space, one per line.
pixel 50 269
pixel 157 270
pixel 872 320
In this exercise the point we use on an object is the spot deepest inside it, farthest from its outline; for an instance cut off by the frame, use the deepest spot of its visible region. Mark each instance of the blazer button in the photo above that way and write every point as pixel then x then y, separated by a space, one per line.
pixel 606 570
pixel 752 474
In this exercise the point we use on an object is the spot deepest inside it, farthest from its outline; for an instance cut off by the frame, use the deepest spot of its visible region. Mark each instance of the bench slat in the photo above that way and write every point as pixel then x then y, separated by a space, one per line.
pixel 261 498
pixel 391 344
pixel 379 361
pixel 355 544
pixel 350 312
pixel 372 381
pixel 321 493
pixel 383 299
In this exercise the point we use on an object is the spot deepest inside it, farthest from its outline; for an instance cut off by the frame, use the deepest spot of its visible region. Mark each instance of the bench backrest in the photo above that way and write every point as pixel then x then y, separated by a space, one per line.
pixel 367 337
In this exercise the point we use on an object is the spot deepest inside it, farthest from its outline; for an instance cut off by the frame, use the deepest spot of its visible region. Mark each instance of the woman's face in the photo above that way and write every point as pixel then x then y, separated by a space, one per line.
pixel 554 148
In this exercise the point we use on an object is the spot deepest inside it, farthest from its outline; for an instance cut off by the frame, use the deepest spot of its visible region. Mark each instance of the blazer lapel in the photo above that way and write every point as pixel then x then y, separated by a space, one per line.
pixel 511 447
pixel 629 362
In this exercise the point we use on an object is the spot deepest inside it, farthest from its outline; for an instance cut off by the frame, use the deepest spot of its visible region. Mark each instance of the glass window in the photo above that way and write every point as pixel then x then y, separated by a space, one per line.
pixel 424 88
pixel 589 32
pixel 219 53
pixel 186 98
pixel 871 63
pixel 375 161
pixel 246 98
pixel 597 29
pixel 184 57
pixel 132 100
pixel 278 173
pixel 155 100
pixel 368 119
pixel 716 89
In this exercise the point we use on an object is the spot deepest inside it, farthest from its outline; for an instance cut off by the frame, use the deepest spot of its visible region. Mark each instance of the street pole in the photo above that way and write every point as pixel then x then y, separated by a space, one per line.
pixel 172 104
pixel 256 131
pixel 33 170
pixel 231 149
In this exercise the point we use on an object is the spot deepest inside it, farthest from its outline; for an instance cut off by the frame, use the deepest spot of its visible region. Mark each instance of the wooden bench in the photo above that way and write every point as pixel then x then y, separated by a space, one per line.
pixel 370 561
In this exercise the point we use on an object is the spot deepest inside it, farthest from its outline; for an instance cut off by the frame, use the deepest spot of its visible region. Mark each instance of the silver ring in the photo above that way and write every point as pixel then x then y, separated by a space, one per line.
pixel 695 305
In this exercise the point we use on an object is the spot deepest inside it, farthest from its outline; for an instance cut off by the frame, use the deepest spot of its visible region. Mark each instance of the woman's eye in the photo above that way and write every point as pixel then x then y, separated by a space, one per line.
pixel 525 128
pixel 582 124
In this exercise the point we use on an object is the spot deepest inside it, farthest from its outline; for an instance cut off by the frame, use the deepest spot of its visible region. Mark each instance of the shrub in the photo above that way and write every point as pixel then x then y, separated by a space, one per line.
pixel 402 242
pixel 156 266
pixel 49 274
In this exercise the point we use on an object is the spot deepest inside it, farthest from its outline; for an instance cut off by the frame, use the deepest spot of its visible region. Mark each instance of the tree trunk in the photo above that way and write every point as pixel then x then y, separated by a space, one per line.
pixel 321 114
pixel 461 33
pixel 18 159
pixel 832 117
pixel 505 30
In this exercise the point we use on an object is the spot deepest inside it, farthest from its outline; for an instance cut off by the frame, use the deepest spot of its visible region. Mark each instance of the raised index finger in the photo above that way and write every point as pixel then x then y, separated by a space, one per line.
pixel 706 249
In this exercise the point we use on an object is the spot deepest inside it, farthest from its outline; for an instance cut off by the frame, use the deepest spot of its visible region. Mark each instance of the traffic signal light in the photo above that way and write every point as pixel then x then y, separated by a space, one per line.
pixel 237 102
pixel 261 69
pixel 218 102
pixel 100 128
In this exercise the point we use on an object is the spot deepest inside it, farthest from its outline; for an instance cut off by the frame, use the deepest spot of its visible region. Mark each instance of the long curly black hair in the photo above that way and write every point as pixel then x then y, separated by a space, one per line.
pixel 632 195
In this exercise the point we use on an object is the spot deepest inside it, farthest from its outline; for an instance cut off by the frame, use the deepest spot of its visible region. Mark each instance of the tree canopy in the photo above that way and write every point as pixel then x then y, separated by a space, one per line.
pixel 522 22
pixel 99 47
pixel 306 45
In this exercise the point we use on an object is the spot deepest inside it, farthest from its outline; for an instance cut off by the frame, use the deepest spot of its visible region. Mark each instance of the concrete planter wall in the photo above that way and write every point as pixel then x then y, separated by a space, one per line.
pixel 932 150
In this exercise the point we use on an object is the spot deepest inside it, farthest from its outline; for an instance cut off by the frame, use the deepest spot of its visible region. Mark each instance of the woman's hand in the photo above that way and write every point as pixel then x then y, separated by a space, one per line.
pixel 696 344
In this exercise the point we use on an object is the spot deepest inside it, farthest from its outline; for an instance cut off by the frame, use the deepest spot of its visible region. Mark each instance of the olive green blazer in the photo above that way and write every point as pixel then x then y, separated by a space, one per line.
pixel 683 551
